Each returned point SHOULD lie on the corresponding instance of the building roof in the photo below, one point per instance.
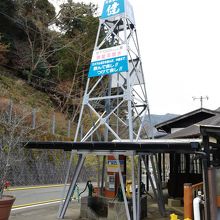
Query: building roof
(194, 130)
(186, 120)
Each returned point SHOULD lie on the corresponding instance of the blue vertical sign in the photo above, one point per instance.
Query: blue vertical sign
(112, 8)
(109, 61)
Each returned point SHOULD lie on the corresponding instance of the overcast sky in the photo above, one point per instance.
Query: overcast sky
(180, 49)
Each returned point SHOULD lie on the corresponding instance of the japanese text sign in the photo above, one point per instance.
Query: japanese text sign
(112, 8)
(114, 167)
(109, 61)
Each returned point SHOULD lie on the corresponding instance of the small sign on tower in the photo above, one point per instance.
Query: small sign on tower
(109, 61)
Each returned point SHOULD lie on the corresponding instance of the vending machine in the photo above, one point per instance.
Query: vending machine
(113, 181)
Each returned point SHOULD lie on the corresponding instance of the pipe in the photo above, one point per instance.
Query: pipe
(196, 207)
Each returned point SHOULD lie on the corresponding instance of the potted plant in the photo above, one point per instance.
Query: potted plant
(13, 129)
(6, 202)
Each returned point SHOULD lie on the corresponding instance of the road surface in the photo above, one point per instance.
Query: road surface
(28, 196)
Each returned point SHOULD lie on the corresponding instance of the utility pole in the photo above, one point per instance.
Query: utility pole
(201, 98)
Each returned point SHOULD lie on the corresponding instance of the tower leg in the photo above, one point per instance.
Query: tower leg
(123, 188)
(72, 186)
(158, 184)
(139, 189)
(133, 189)
(103, 174)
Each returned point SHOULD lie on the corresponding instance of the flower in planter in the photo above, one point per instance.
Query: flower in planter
(7, 184)
(4, 185)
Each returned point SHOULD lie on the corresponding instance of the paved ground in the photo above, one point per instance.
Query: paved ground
(49, 212)
(26, 210)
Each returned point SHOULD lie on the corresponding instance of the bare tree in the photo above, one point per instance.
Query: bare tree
(13, 130)
(38, 52)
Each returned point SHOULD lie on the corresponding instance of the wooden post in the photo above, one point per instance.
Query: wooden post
(188, 201)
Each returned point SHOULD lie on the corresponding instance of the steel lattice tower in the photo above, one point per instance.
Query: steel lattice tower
(116, 101)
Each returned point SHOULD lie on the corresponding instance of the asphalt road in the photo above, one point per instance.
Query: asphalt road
(28, 196)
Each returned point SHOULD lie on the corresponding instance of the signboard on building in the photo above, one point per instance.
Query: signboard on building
(109, 61)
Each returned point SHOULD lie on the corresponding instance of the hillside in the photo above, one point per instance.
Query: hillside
(39, 166)
(27, 99)
(20, 92)
(24, 98)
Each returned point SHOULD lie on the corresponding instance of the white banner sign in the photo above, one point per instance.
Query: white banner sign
(109, 61)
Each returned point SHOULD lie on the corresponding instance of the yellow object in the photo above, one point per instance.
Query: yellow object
(128, 188)
(187, 219)
(174, 217)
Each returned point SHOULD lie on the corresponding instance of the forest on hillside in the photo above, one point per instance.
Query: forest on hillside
(44, 60)
(50, 50)
(47, 56)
